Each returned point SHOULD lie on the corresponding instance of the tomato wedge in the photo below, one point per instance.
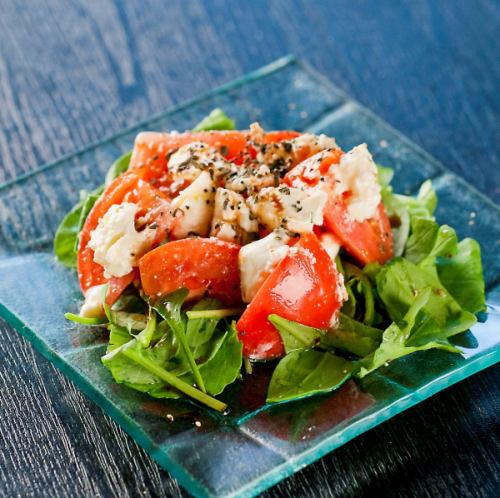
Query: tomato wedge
(152, 149)
(304, 287)
(201, 265)
(368, 241)
(126, 188)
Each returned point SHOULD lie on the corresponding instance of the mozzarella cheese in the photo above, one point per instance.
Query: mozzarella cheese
(357, 174)
(257, 259)
(187, 163)
(232, 220)
(116, 243)
(313, 143)
(250, 180)
(92, 307)
(298, 210)
(330, 244)
(192, 209)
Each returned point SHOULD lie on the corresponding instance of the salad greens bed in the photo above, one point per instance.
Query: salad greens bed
(427, 294)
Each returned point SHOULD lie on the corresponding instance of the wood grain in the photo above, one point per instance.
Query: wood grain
(71, 73)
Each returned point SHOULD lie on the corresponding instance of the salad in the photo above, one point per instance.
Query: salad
(207, 251)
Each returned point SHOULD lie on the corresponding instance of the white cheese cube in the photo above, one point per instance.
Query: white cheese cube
(257, 259)
(232, 219)
(330, 244)
(298, 210)
(357, 174)
(192, 209)
(116, 243)
(187, 163)
(92, 306)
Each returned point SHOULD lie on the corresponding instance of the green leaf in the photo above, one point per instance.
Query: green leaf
(216, 120)
(66, 237)
(200, 331)
(462, 276)
(400, 281)
(83, 320)
(146, 335)
(385, 175)
(303, 373)
(295, 336)
(395, 337)
(359, 290)
(422, 239)
(224, 365)
(170, 309)
(352, 336)
(118, 167)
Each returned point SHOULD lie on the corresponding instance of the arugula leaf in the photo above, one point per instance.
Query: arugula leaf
(146, 335)
(83, 320)
(423, 204)
(422, 239)
(141, 369)
(352, 336)
(303, 373)
(170, 309)
(400, 281)
(295, 336)
(462, 276)
(395, 338)
(349, 335)
(224, 364)
(216, 120)
(67, 236)
(117, 168)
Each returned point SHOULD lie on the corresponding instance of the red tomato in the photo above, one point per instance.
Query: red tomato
(302, 288)
(367, 241)
(152, 149)
(126, 188)
(201, 265)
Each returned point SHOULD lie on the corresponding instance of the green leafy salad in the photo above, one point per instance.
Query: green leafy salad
(207, 251)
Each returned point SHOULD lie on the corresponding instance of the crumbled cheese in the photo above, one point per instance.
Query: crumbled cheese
(256, 132)
(192, 209)
(330, 244)
(250, 179)
(92, 307)
(312, 144)
(187, 163)
(232, 220)
(116, 243)
(357, 174)
(282, 156)
(257, 259)
(298, 210)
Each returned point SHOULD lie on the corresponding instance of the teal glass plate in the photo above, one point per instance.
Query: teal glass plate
(254, 446)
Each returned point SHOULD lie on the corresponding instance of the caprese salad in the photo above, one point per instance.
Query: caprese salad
(208, 250)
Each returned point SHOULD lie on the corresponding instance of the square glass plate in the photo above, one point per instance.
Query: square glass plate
(260, 445)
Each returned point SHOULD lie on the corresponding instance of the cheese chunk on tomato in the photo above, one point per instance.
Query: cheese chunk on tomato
(305, 287)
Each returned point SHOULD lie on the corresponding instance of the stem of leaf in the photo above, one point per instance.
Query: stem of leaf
(222, 313)
(174, 381)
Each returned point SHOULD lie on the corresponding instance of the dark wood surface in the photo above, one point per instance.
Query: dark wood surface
(71, 73)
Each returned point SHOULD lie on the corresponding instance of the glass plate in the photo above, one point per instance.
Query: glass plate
(260, 445)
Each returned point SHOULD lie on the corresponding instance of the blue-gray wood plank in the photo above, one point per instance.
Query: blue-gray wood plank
(71, 72)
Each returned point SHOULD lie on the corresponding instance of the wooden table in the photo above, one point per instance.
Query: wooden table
(73, 72)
